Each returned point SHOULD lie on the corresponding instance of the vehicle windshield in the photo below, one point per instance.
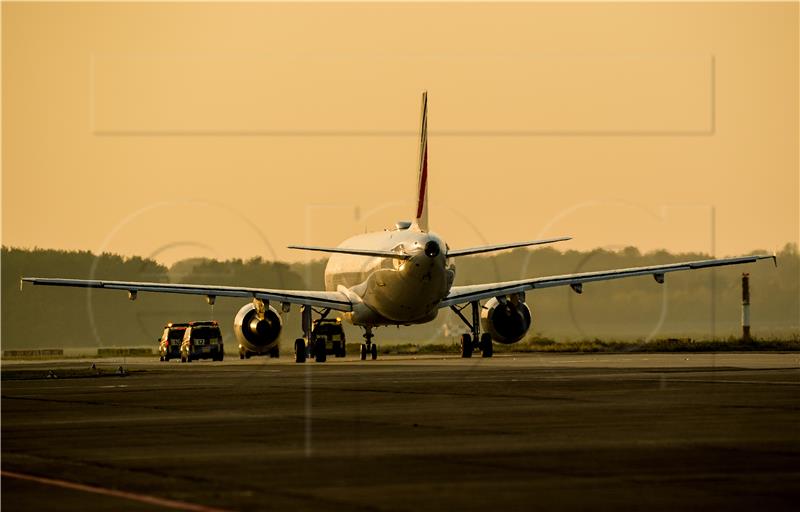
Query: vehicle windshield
(327, 328)
(176, 334)
(205, 332)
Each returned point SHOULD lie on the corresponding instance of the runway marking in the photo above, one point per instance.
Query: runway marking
(143, 498)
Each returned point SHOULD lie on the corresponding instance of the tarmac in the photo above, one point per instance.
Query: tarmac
(514, 432)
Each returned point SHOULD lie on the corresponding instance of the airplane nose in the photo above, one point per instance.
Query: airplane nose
(432, 249)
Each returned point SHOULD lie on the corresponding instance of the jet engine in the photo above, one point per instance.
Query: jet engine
(257, 333)
(506, 318)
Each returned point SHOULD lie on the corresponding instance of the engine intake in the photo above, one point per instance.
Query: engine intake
(256, 334)
(506, 318)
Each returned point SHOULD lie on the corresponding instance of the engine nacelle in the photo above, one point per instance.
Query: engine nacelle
(254, 334)
(506, 318)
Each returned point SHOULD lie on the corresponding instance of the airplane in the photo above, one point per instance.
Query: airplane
(399, 276)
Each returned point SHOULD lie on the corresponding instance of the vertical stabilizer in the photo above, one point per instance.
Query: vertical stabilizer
(421, 218)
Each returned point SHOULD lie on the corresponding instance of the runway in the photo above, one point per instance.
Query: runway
(515, 432)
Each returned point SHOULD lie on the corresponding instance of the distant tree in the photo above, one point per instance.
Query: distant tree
(632, 308)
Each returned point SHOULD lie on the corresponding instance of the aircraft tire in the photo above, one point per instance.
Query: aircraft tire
(299, 350)
(466, 345)
(487, 349)
(320, 354)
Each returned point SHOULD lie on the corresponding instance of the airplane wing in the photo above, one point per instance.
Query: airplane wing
(333, 300)
(462, 294)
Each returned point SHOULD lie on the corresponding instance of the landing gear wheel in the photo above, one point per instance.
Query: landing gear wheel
(320, 354)
(241, 355)
(275, 352)
(162, 359)
(368, 348)
(466, 345)
(248, 355)
(183, 359)
(486, 345)
(299, 350)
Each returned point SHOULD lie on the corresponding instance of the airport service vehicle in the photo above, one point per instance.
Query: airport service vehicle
(399, 276)
(327, 337)
(169, 345)
(202, 340)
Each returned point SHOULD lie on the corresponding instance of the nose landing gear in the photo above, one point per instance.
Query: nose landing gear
(368, 348)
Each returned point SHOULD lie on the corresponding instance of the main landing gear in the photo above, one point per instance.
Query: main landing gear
(321, 337)
(368, 348)
(475, 340)
(313, 342)
(302, 347)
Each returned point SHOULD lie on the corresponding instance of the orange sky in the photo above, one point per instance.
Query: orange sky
(198, 129)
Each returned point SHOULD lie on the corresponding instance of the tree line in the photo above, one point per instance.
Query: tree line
(700, 304)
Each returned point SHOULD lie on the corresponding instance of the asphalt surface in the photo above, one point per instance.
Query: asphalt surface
(563, 432)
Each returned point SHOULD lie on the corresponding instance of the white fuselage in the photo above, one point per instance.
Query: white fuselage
(389, 291)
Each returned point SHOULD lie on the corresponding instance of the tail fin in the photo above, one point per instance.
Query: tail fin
(421, 219)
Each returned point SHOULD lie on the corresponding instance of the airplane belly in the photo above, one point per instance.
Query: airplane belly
(392, 291)
(406, 297)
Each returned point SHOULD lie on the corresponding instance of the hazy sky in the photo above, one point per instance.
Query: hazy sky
(197, 129)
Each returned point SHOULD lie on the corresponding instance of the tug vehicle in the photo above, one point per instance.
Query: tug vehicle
(169, 345)
(202, 340)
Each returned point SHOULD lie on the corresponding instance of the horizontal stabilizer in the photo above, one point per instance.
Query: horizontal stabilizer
(500, 247)
(358, 252)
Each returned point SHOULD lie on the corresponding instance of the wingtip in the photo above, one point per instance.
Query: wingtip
(773, 257)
